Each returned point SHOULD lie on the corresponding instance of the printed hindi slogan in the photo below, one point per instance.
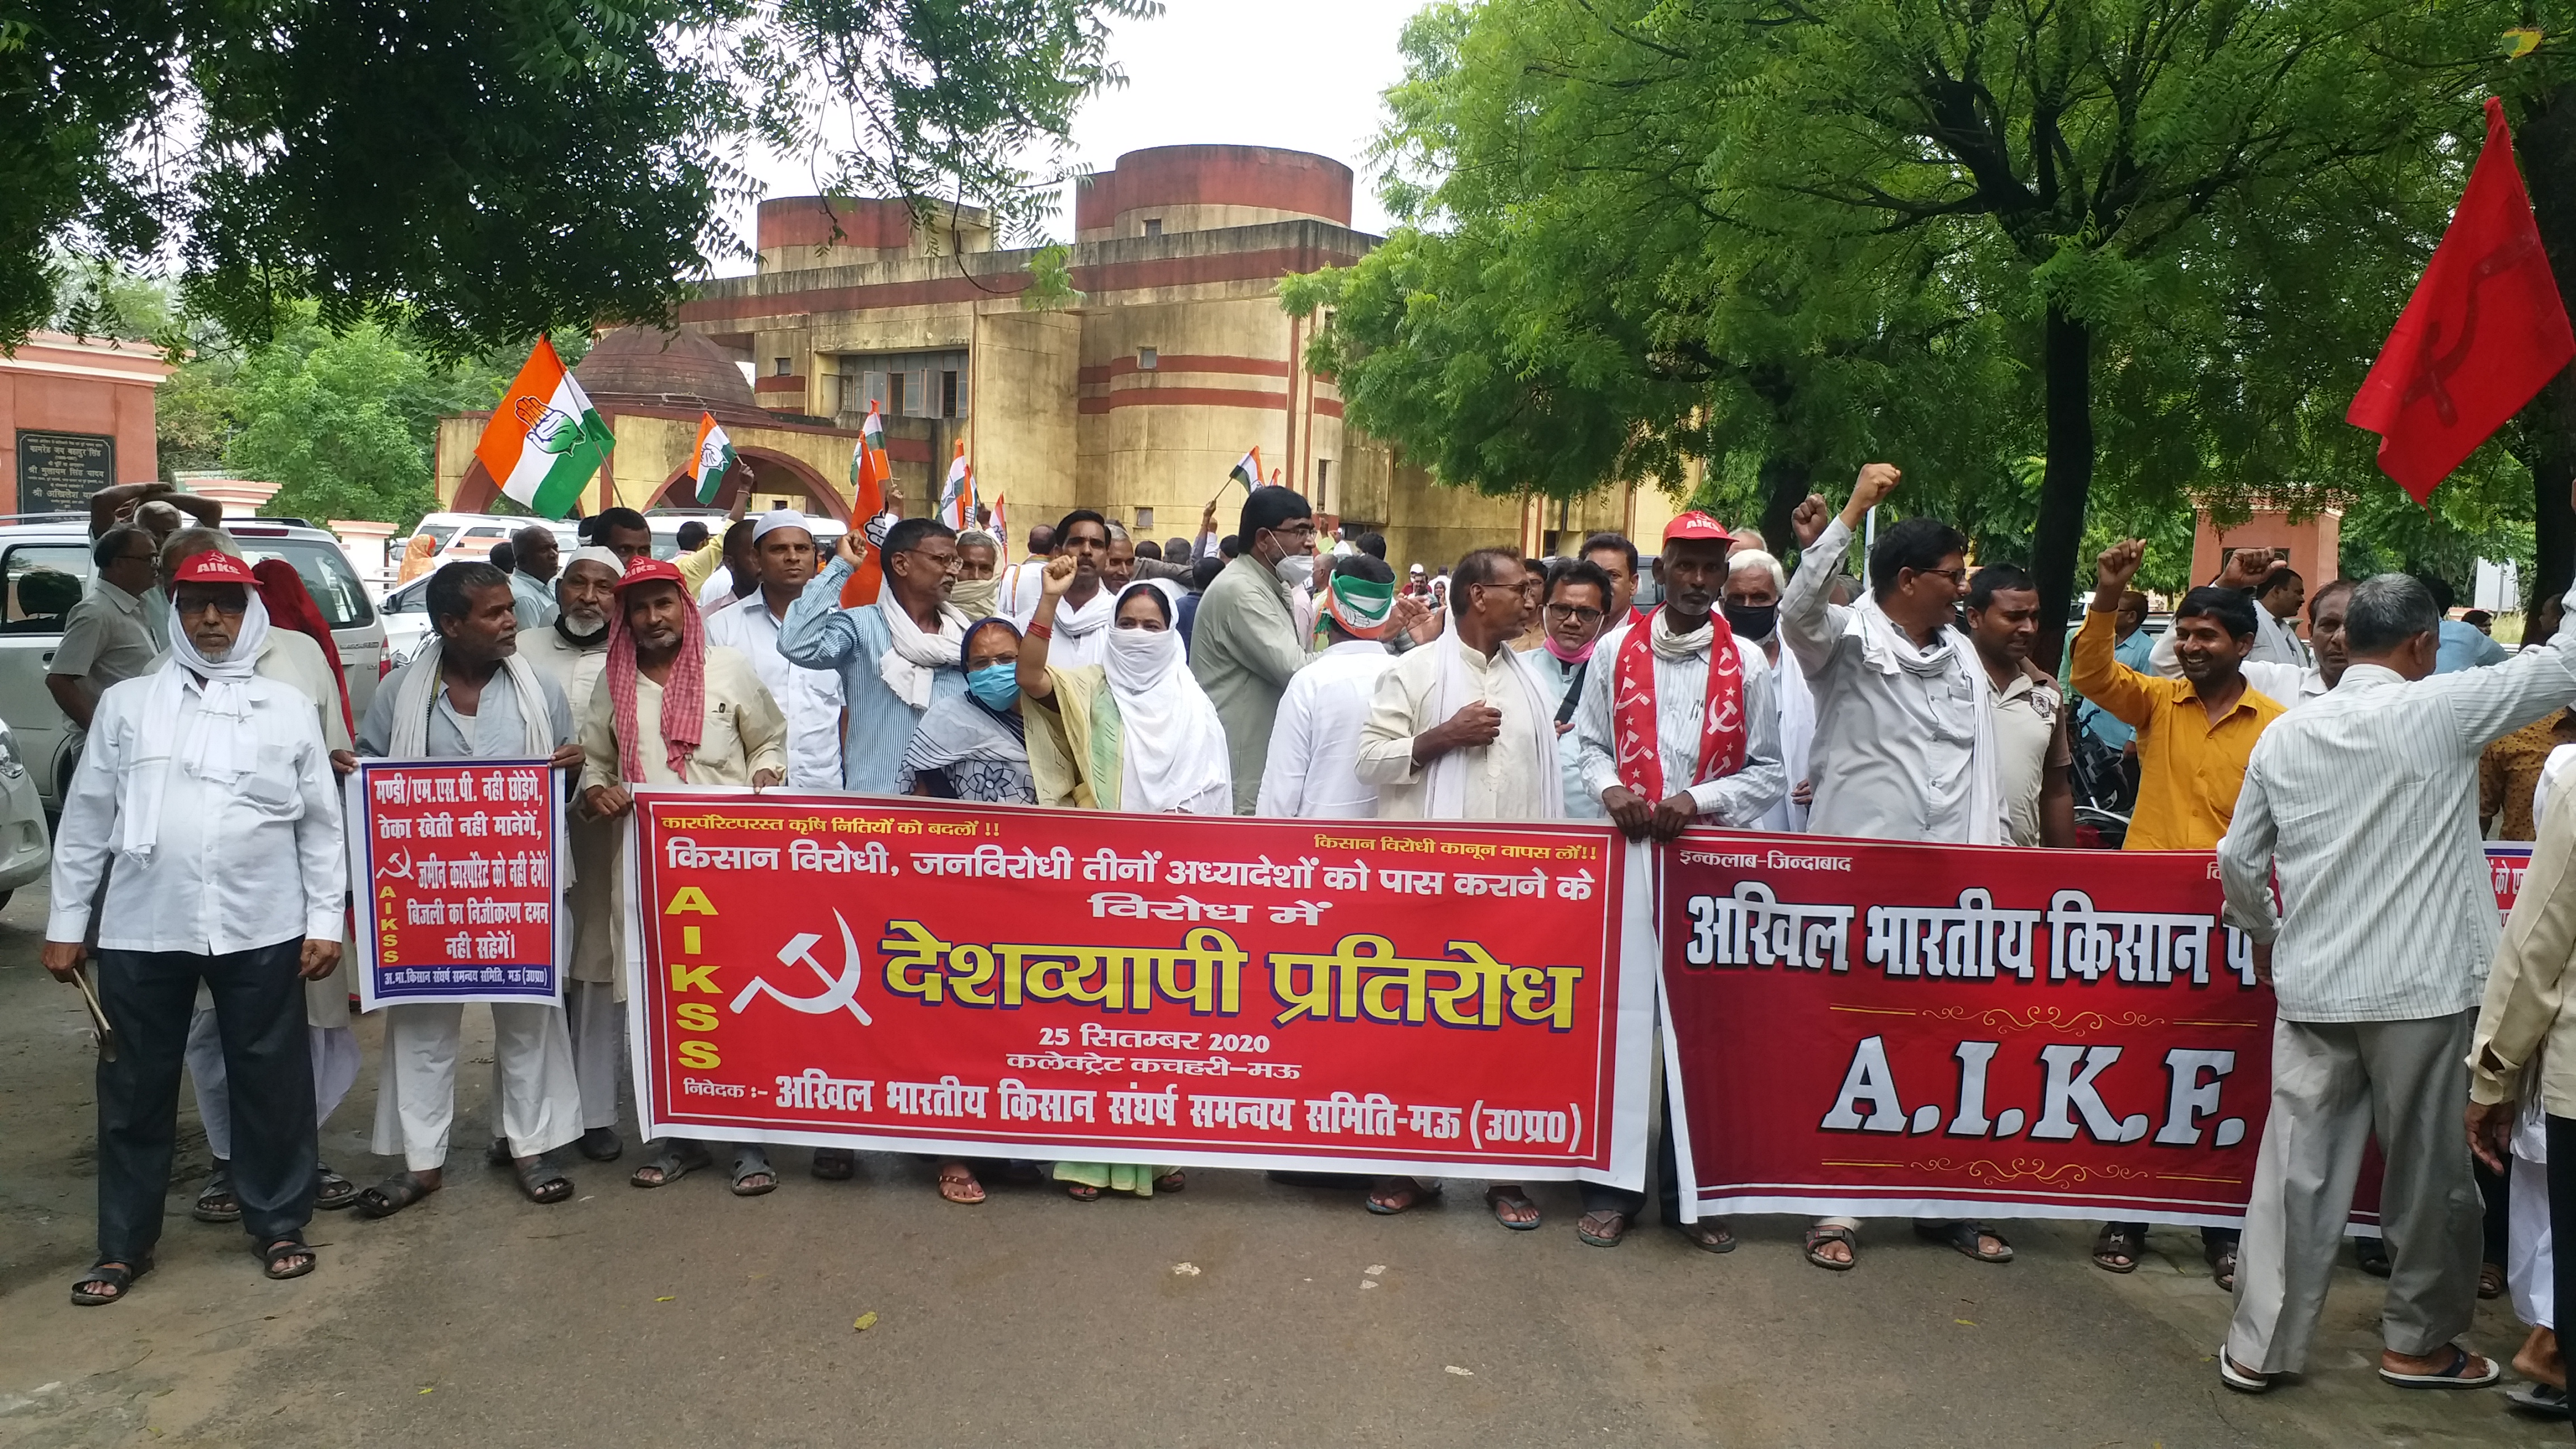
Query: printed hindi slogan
(1892, 1029)
(460, 861)
(929, 976)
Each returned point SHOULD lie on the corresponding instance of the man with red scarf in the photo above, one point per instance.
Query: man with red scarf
(1676, 727)
(670, 709)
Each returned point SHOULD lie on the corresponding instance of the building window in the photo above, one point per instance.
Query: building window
(1144, 519)
(1147, 359)
(1323, 481)
(894, 394)
(784, 366)
(1153, 226)
(948, 394)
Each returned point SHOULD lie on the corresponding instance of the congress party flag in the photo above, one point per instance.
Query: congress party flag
(711, 459)
(957, 496)
(2485, 330)
(868, 472)
(1002, 526)
(545, 440)
(1247, 470)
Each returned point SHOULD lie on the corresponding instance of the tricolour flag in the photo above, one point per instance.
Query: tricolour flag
(545, 440)
(957, 496)
(714, 458)
(868, 473)
(1247, 471)
(1002, 526)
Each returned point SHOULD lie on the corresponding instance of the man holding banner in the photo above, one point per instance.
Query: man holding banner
(2361, 804)
(1676, 731)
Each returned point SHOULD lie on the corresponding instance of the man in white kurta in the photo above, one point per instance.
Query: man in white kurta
(784, 545)
(210, 790)
(637, 729)
(570, 652)
(468, 695)
(1312, 770)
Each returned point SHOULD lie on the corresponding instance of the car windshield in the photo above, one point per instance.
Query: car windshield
(326, 575)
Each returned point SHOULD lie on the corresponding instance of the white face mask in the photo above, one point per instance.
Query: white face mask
(1294, 569)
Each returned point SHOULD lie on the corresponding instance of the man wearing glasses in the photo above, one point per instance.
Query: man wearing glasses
(895, 657)
(105, 639)
(1577, 594)
(1244, 644)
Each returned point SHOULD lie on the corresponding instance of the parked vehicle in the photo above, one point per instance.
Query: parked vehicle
(26, 846)
(52, 553)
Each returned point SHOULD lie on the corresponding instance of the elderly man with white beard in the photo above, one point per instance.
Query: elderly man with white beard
(571, 652)
(212, 789)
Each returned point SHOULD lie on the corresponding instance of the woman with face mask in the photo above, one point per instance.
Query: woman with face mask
(1133, 733)
(973, 746)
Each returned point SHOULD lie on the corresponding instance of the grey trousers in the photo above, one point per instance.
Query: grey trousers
(2333, 1083)
(597, 1020)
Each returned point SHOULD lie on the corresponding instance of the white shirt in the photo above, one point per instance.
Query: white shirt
(810, 698)
(1558, 676)
(239, 865)
(2364, 801)
(1312, 770)
(1737, 801)
(2275, 642)
(1499, 785)
(1797, 734)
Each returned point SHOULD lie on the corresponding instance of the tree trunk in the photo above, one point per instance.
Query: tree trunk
(2546, 142)
(2067, 365)
(1784, 487)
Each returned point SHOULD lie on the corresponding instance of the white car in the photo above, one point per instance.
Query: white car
(44, 569)
(26, 848)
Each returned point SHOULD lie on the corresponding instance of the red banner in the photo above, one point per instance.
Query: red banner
(1888, 1029)
(461, 860)
(939, 977)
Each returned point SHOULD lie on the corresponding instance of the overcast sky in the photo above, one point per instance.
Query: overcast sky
(1302, 75)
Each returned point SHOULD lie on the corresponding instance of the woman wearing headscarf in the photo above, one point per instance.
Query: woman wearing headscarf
(417, 557)
(974, 746)
(1133, 733)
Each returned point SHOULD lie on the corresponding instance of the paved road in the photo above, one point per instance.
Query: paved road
(1242, 1311)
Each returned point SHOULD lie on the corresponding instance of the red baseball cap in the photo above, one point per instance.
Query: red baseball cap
(1697, 525)
(211, 567)
(650, 570)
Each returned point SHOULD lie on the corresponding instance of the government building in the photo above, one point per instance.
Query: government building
(1134, 396)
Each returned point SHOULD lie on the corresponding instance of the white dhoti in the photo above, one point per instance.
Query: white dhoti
(597, 1020)
(533, 1088)
(2531, 1264)
(335, 1071)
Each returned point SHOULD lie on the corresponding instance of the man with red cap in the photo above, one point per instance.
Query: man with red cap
(211, 789)
(1678, 726)
(672, 710)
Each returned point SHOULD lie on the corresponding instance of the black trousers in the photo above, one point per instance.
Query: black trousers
(1601, 1197)
(2562, 1211)
(268, 1066)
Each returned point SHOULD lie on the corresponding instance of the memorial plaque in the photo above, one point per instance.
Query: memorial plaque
(57, 472)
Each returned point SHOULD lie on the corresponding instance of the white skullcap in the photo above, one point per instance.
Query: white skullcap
(778, 518)
(593, 554)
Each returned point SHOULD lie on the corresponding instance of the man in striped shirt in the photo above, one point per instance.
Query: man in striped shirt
(2362, 803)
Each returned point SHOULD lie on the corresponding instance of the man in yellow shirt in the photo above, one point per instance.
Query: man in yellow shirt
(2194, 737)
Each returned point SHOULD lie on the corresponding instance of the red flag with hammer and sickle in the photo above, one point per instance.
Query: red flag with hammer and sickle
(2485, 330)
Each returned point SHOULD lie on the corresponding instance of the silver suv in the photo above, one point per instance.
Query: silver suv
(44, 569)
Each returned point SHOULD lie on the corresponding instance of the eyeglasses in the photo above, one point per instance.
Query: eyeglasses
(189, 608)
(1302, 529)
(948, 562)
(1573, 614)
(1958, 577)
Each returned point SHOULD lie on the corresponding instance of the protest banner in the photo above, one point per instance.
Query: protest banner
(1882, 1029)
(930, 976)
(458, 863)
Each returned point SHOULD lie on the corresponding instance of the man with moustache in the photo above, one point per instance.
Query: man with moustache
(1754, 583)
(785, 558)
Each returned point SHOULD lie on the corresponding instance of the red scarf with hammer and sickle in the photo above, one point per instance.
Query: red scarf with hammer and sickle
(1635, 724)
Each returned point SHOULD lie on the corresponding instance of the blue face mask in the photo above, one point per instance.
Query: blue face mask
(997, 685)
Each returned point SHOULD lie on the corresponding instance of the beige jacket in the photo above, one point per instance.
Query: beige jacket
(2520, 1017)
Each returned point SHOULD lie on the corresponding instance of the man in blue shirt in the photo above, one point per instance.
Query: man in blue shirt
(886, 685)
(2463, 645)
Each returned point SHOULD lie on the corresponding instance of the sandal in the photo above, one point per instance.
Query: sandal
(2490, 1281)
(1603, 1229)
(542, 1181)
(2242, 1380)
(332, 1192)
(1822, 1233)
(1081, 1192)
(1709, 1235)
(1391, 1195)
(2222, 1268)
(2372, 1255)
(2547, 1401)
(675, 1161)
(1512, 1209)
(2455, 1375)
(957, 1184)
(752, 1175)
(834, 1164)
(1968, 1237)
(2116, 1249)
(280, 1258)
(602, 1144)
(114, 1277)
(216, 1202)
(1172, 1181)
(393, 1195)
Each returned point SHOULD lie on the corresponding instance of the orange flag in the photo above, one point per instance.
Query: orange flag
(868, 473)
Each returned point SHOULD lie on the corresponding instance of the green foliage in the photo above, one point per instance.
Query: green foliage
(1050, 285)
(480, 171)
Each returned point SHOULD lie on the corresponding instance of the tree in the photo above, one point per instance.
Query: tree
(485, 170)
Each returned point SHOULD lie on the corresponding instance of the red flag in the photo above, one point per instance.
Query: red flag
(2485, 330)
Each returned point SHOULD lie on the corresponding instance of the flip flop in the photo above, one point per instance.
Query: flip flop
(1964, 1235)
(2456, 1376)
(2240, 1380)
(1709, 1235)
(1599, 1239)
(1823, 1233)
(1423, 1192)
(119, 1276)
(1496, 1199)
(2545, 1400)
